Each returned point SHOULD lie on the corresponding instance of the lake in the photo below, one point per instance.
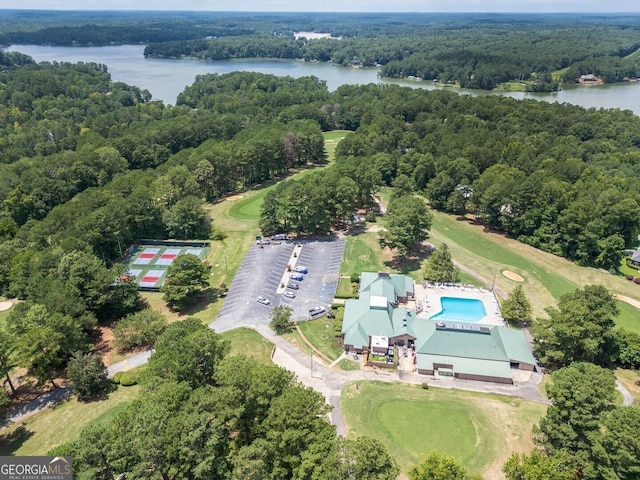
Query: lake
(166, 78)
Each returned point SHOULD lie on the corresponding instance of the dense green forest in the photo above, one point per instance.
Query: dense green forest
(478, 51)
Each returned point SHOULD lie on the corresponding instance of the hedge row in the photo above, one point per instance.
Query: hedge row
(633, 279)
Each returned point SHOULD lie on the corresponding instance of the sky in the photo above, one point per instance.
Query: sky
(534, 6)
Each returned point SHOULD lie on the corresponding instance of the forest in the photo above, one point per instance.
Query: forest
(87, 165)
(476, 51)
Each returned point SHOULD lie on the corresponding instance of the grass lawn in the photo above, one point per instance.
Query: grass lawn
(320, 333)
(345, 364)
(627, 270)
(250, 343)
(345, 288)
(63, 423)
(362, 253)
(479, 430)
(331, 140)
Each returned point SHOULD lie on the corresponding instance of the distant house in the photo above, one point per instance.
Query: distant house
(589, 78)
(380, 319)
(635, 258)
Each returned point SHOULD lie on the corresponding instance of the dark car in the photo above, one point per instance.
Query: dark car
(293, 286)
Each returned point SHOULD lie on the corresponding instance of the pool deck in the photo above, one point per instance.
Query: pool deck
(427, 301)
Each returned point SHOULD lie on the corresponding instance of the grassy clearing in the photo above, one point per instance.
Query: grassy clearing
(362, 253)
(248, 342)
(479, 430)
(511, 87)
(631, 381)
(63, 423)
(320, 333)
(331, 140)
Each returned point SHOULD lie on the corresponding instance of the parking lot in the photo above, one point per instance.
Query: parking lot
(261, 273)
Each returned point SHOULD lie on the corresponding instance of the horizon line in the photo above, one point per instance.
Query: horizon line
(500, 12)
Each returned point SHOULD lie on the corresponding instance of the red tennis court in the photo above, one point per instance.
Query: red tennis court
(147, 255)
(150, 279)
(168, 256)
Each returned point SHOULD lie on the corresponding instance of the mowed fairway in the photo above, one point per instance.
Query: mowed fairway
(63, 423)
(479, 430)
(245, 341)
(546, 276)
(237, 216)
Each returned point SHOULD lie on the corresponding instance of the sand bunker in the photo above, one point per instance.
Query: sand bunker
(512, 276)
(628, 300)
(5, 306)
(235, 197)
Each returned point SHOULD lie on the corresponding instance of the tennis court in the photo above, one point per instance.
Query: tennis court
(149, 263)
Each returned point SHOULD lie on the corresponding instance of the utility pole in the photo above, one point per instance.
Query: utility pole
(226, 269)
(311, 363)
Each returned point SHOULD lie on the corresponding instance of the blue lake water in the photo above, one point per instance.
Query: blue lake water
(460, 310)
(166, 78)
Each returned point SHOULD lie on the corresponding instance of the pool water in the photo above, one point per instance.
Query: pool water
(460, 310)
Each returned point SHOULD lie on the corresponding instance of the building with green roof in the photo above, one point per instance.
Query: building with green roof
(380, 318)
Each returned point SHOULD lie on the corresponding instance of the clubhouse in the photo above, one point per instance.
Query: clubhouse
(382, 317)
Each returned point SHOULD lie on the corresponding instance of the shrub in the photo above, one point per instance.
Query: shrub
(629, 277)
(370, 217)
(127, 380)
(116, 378)
(425, 386)
(637, 280)
(355, 278)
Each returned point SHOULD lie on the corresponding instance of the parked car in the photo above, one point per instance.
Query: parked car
(316, 311)
(301, 269)
(263, 300)
(296, 276)
(289, 294)
(293, 286)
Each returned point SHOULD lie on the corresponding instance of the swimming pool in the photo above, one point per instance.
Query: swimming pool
(460, 310)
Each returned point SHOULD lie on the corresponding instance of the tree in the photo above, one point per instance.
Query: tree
(437, 466)
(187, 219)
(439, 266)
(538, 466)
(281, 319)
(88, 376)
(140, 329)
(516, 308)
(407, 222)
(580, 394)
(187, 351)
(186, 277)
(364, 457)
(580, 329)
(628, 346)
(616, 449)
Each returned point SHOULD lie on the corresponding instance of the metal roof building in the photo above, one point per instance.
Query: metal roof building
(463, 350)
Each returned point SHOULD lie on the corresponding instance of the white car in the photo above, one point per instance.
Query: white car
(264, 301)
(289, 294)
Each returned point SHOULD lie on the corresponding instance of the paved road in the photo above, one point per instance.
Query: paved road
(47, 400)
